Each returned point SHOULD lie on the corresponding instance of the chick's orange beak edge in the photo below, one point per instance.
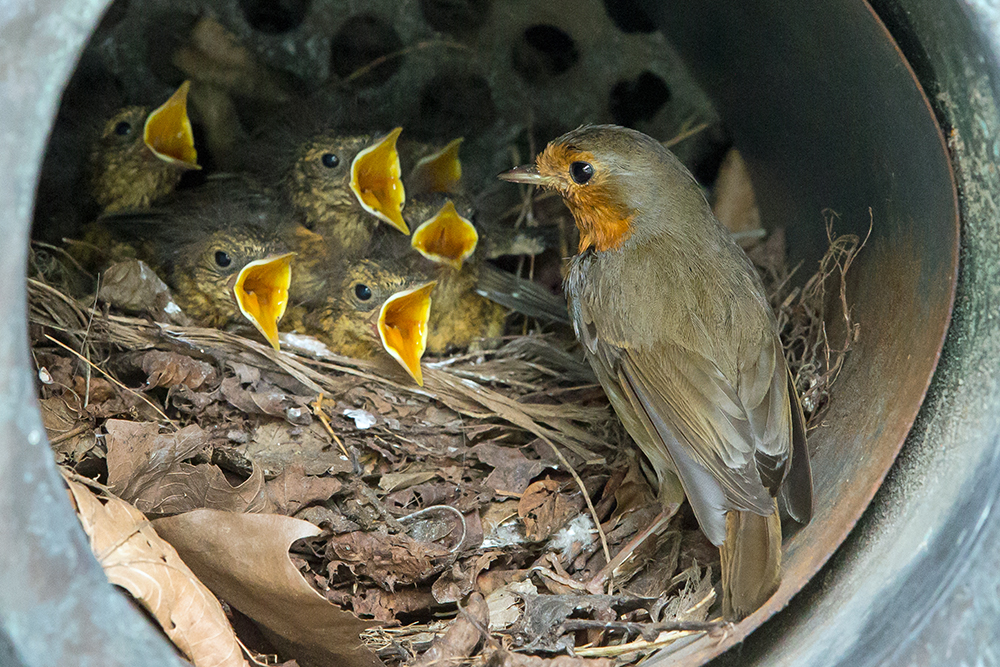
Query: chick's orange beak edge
(168, 132)
(261, 292)
(438, 172)
(402, 326)
(446, 238)
(376, 182)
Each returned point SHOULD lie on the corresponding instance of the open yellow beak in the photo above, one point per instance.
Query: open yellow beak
(439, 172)
(376, 183)
(168, 131)
(447, 238)
(402, 326)
(261, 292)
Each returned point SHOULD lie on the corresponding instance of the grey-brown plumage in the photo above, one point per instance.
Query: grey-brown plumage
(675, 323)
(200, 239)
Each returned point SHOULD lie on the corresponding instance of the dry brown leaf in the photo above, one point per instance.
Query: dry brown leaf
(147, 469)
(503, 658)
(459, 580)
(385, 559)
(395, 481)
(134, 557)
(544, 509)
(138, 453)
(243, 558)
(512, 471)
(384, 606)
(277, 445)
(461, 637)
(293, 489)
(134, 287)
(169, 369)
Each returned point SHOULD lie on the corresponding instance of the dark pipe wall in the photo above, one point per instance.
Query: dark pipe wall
(917, 581)
(56, 606)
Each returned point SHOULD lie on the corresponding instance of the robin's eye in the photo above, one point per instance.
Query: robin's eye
(123, 128)
(222, 259)
(362, 291)
(581, 172)
(330, 160)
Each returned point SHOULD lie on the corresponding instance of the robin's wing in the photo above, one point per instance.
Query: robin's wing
(684, 409)
(524, 296)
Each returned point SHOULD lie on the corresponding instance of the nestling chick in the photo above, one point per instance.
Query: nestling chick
(675, 323)
(342, 185)
(141, 154)
(372, 306)
(222, 247)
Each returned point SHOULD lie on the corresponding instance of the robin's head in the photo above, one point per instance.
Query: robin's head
(380, 305)
(231, 274)
(141, 154)
(223, 248)
(331, 173)
(612, 178)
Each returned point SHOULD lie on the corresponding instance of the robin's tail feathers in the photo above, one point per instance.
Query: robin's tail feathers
(751, 562)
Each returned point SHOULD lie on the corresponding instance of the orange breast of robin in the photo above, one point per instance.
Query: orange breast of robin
(601, 216)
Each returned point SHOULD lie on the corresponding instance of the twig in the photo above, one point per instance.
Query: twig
(62, 437)
(648, 631)
(686, 134)
(365, 69)
(607, 572)
(586, 498)
(112, 379)
(317, 409)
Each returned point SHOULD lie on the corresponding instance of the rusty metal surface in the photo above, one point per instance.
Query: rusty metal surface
(56, 605)
(833, 118)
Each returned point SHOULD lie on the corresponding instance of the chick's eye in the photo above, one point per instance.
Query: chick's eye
(222, 259)
(330, 160)
(362, 291)
(123, 128)
(581, 172)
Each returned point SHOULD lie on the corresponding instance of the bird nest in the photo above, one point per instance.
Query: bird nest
(491, 514)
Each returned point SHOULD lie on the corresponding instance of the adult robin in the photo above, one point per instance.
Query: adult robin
(371, 306)
(223, 247)
(675, 323)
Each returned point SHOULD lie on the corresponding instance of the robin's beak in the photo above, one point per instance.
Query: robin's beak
(261, 292)
(402, 326)
(439, 172)
(527, 174)
(375, 181)
(447, 238)
(168, 131)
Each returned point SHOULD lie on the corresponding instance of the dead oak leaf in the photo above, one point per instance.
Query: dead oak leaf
(385, 559)
(512, 472)
(293, 489)
(148, 469)
(170, 369)
(137, 559)
(243, 558)
(544, 509)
